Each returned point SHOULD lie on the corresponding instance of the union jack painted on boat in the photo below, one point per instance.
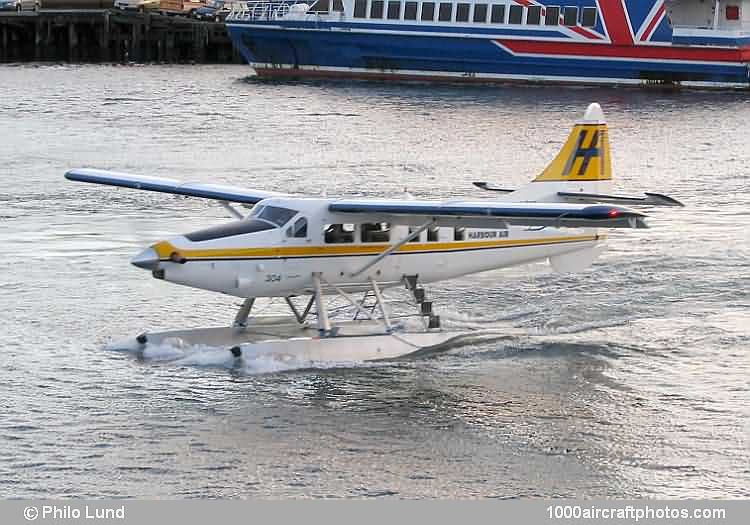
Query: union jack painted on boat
(565, 41)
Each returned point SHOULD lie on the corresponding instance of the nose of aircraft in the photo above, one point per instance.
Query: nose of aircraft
(148, 259)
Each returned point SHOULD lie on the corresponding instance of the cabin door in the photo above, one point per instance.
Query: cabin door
(296, 245)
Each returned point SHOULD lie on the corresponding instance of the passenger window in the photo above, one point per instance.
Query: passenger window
(339, 233)
(552, 16)
(433, 234)
(428, 11)
(462, 12)
(446, 12)
(480, 13)
(534, 15)
(570, 16)
(376, 232)
(412, 229)
(394, 10)
(360, 8)
(588, 18)
(376, 9)
(515, 16)
(410, 11)
(498, 14)
(459, 234)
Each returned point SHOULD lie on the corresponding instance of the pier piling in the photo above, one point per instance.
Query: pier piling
(105, 35)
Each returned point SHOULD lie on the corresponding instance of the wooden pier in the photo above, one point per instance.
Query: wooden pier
(112, 35)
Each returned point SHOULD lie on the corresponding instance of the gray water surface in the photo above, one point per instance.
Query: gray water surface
(630, 379)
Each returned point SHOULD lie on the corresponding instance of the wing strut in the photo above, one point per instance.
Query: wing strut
(399, 244)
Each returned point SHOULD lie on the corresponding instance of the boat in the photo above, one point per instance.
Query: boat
(700, 43)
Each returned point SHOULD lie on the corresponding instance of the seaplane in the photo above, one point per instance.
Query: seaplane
(309, 250)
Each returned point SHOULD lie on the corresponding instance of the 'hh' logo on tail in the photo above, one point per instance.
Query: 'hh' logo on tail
(583, 157)
(587, 148)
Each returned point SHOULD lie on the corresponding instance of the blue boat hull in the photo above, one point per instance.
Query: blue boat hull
(332, 52)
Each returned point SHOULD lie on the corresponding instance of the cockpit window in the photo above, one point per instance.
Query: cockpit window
(230, 229)
(275, 214)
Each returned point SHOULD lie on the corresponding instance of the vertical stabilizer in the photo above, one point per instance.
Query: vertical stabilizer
(585, 155)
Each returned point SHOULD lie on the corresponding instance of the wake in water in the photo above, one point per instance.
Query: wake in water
(463, 320)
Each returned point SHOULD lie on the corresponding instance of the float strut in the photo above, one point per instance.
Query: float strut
(300, 316)
(381, 304)
(240, 320)
(324, 325)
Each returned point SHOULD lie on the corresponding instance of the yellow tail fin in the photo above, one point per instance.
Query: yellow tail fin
(585, 155)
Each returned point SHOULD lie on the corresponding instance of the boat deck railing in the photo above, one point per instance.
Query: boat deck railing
(267, 10)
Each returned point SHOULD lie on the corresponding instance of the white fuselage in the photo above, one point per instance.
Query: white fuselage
(280, 260)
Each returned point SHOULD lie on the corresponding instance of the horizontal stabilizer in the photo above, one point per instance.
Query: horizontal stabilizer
(489, 187)
(176, 187)
(492, 214)
(651, 199)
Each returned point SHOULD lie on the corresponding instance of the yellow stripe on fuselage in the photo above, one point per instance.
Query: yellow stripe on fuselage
(166, 249)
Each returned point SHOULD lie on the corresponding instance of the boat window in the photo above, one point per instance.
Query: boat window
(480, 13)
(428, 11)
(570, 16)
(299, 229)
(462, 12)
(515, 16)
(446, 12)
(229, 230)
(338, 6)
(321, 6)
(394, 10)
(588, 18)
(552, 16)
(339, 233)
(376, 232)
(497, 14)
(376, 9)
(410, 11)
(276, 214)
(534, 15)
(459, 234)
(433, 234)
(360, 8)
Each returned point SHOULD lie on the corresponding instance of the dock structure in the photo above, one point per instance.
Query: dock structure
(112, 35)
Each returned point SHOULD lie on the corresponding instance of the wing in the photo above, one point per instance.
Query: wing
(140, 182)
(492, 214)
